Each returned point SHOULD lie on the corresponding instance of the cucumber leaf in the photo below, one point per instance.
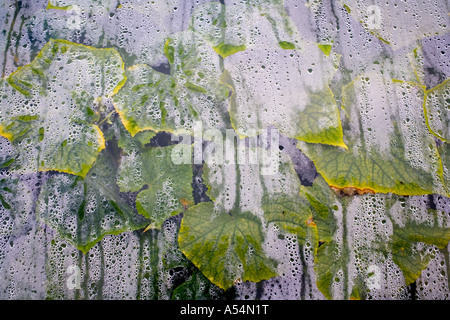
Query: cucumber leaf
(47, 106)
(227, 239)
(163, 185)
(225, 246)
(151, 100)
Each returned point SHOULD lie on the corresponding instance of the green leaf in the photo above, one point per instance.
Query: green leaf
(167, 185)
(326, 48)
(51, 6)
(307, 112)
(319, 121)
(83, 211)
(44, 106)
(194, 87)
(8, 153)
(326, 264)
(8, 192)
(210, 235)
(225, 50)
(322, 203)
(225, 246)
(151, 100)
(383, 20)
(389, 146)
(7, 163)
(330, 258)
(444, 152)
(286, 45)
(169, 51)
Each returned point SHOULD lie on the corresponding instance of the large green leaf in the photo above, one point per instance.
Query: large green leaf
(228, 239)
(191, 92)
(225, 246)
(83, 211)
(164, 185)
(390, 147)
(47, 106)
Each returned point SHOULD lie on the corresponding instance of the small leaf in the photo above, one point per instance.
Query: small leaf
(286, 45)
(55, 7)
(225, 50)
(326, 48)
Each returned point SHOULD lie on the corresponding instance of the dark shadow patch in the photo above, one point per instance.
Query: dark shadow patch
(303, 166)
(163, 68)
(198, 188)
(162, 139)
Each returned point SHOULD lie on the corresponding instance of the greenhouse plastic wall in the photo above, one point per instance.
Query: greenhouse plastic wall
(239, 150)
